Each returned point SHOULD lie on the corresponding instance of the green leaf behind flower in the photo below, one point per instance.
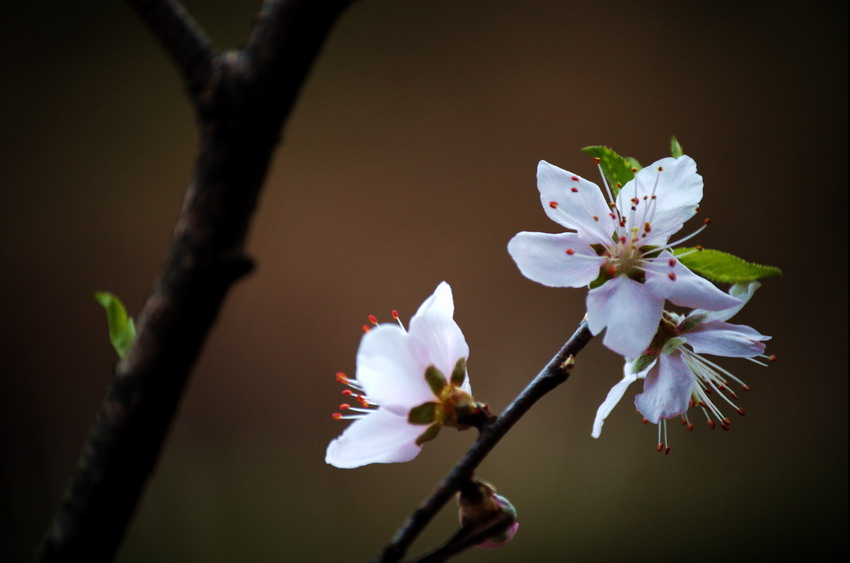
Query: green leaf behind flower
(675, 148)
(723, 267)
(617, 169)
(122, 329)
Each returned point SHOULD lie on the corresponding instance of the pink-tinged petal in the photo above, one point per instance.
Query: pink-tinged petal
(578, 203)
(615, 394)
(742, 291)
(677, 188)
(667, 389)
(629, 310)
(388, 372)
(562, 260)
(379, 437)
(435, 338)
(670, 279)
(719, 338)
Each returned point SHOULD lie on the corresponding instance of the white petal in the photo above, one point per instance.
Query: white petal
(629, 309)
(435, 338)
(684, 288)
(719, 338)
(543, 258)
(380, 437)
(615, 394)
(581, 204)
(667, 389)
(388, 371)
(742, 291)
(677, 189)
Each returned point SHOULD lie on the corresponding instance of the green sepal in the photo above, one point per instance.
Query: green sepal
(690, 322)
(617, 169)
(122, 329)
(723, 267)
(429, 434)
(436, 380)
(671, 345)
(426, 413)
(643, 362)
(459, 373)
(675, 147)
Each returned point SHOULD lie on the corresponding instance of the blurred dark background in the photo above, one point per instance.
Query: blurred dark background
(410, 159)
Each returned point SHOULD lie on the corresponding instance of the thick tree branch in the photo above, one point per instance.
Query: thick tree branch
(555, 373)
(241, 107)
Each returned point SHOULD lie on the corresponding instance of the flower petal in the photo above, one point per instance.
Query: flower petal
(742, 291)
(719, 338)
(678, 190)
(388, 372)
(435, 338)
(683, 287)
(543, 258)
(580, 203)
(379, 437)
(667, 389)
(629, 309)
(615, 394)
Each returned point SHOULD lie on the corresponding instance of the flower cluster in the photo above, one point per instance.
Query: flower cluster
(621, 249)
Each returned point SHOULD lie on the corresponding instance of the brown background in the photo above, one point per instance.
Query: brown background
(410, 159)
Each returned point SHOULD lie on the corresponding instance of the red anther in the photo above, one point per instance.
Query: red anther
(654, 196)
(596, 218)
(623, 240)
(661, 169)
(366, 328)
(395, 315)
(667, 450)
(574, 178)
(634, 170)
(619, 184)
(745, 387)
(635, 200)
(612, 269)
(612, 216)
(644, 422)
(690, 427)
(692, 403)
(707, 221)
(347, 392)
(702, 404)
(671, 262)
(771, 358)
(725, 426)
(596, 160)
(708, 391)
(711, 424)
(553, 204)
(659, 447)
(741, 411)
(697, 209)
(647, 227)
(684, 421)
(342, 378)
(336, 416)
(570, 251)
(699, 248)
(612, 205)
(364, 402)
(732, 393)
(574, 190)
(344, 406)
(726, 421)
(672, 276)
(373, 319)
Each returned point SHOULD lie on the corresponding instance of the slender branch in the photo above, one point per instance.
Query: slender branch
(183, 39)
(555, 373)
(241, 108)
(465, 539)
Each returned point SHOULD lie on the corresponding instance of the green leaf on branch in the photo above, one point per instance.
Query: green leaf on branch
(122, 329)
(675, 148)
(723, 267)
(617, 169)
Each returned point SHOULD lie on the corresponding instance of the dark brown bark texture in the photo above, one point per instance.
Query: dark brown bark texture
(242, 99)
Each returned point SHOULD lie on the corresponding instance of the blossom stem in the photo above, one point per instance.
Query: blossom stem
(556, 372)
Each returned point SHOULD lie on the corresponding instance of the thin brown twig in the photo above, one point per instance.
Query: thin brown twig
(241, 107)
(555, 373)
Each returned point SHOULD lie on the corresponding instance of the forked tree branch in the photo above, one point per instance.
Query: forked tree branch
(242, 99)
(556, 372)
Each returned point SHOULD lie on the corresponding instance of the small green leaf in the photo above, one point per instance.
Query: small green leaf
(459, 373)
(617, 169)
(426, 413)
(723, 267)
(675, 148)
(122, 329)
(429, 434)
(436, 380)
